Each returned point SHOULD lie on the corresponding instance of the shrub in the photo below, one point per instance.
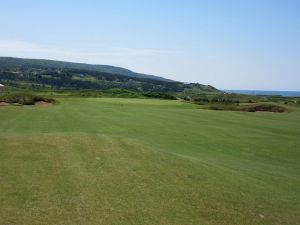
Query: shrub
(255, 108)
(159, 95)
(265, 108)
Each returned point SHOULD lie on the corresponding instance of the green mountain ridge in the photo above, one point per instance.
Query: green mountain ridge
(8, 62)
(35, 73)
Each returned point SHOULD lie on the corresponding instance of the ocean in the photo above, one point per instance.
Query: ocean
(256, 92)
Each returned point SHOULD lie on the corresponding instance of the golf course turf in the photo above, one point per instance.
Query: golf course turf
(143, 161)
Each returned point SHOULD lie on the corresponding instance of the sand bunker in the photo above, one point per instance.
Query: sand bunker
(42, 103)
(4, 104)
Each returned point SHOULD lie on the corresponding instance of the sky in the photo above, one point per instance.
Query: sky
(230, 44)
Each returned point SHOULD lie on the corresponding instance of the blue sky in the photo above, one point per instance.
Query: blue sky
(229, 44)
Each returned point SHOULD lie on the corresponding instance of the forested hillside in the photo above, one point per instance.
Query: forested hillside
(11, 62)
(55, 74)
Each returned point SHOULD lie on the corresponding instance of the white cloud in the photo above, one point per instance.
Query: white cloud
(17, 48)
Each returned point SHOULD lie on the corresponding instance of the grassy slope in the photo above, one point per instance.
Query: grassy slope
(120, 161)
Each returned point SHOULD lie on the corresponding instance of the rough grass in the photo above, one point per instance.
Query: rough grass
(135, 161)
(250, 108)
(23, 98)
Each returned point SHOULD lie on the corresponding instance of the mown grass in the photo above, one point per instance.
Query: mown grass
(137, 161)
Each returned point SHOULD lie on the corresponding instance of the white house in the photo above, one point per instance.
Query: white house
(1, 85)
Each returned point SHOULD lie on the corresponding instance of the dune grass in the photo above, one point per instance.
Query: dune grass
(137, 161)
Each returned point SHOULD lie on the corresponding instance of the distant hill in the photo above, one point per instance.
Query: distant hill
(39, 73)
(10, 62)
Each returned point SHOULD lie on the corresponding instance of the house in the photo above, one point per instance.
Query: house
(1, 85)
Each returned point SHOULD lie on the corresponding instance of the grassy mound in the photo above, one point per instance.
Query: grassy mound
(23, 98)
(249, 108)
(265, 108)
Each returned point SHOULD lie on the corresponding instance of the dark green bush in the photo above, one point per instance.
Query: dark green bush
(265, 108)
(249, 108)
(159, 95)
